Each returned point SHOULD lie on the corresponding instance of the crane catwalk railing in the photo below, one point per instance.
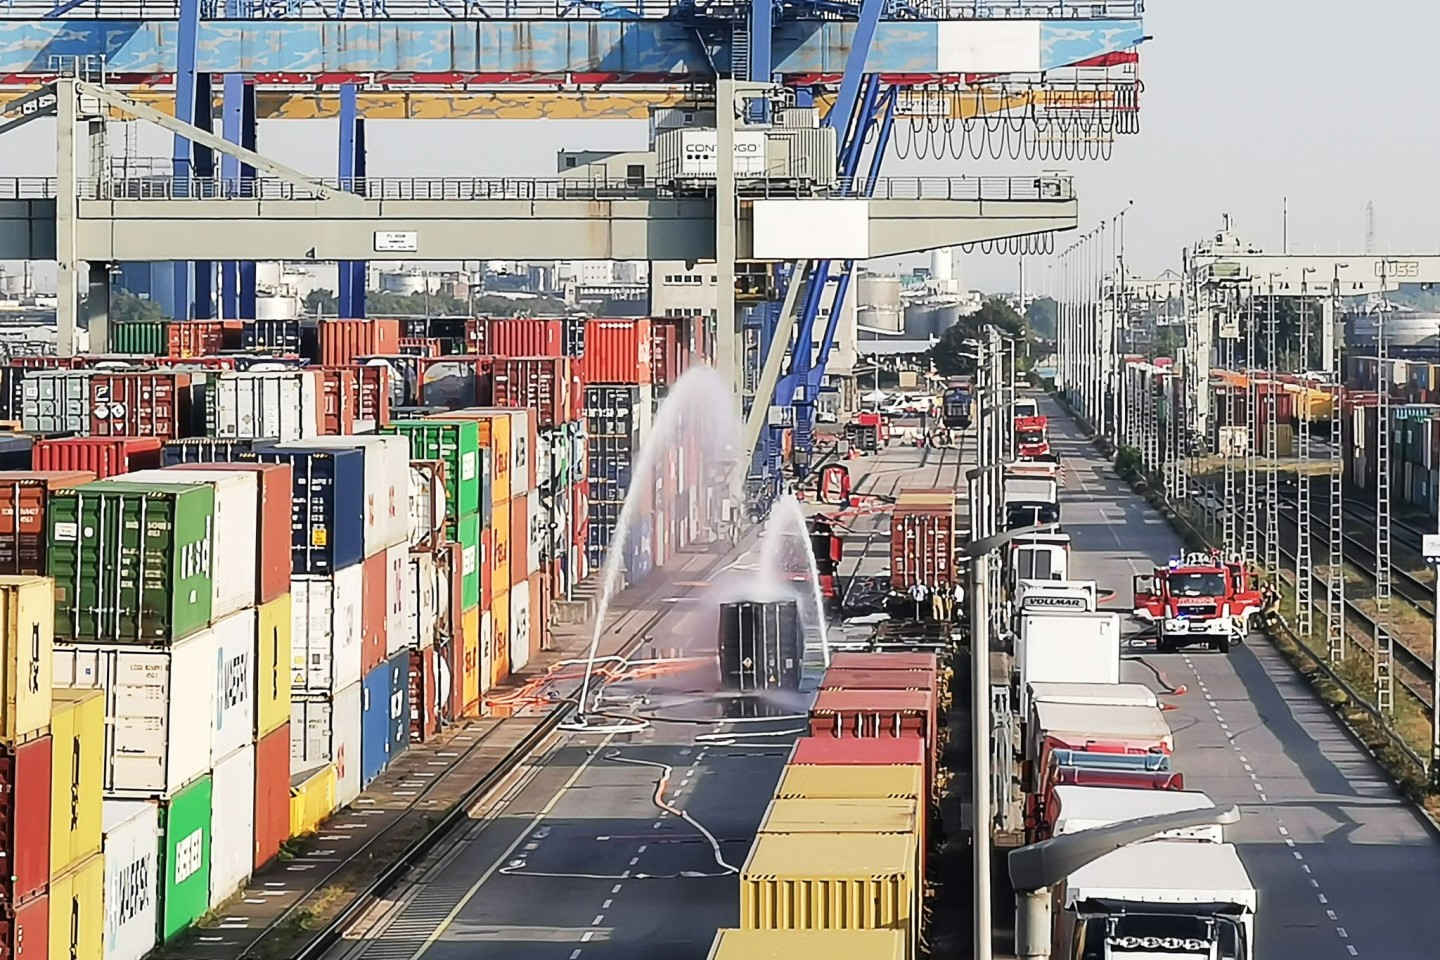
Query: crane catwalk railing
(997, 189)
(551, 10)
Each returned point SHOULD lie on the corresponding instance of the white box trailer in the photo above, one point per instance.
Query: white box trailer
(1066, 648)
(1092, 694)
(1185, 899)
(1079, 808)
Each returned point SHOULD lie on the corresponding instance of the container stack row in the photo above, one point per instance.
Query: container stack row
(851, 821)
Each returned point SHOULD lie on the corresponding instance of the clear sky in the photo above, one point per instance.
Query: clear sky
(1246, 102)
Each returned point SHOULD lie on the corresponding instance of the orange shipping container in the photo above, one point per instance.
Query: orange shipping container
(374, 578)
(341, 341)
(472, 680)
(519, 541)
(151, 404)
(617, 351)
(337, 401)
(499, 639)
(195, 338)
(502, 540)
(24, 498)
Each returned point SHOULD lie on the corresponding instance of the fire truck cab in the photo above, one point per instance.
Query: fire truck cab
(1198, 599)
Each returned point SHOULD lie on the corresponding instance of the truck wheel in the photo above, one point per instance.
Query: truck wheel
(1223, 645)
(1164, 646)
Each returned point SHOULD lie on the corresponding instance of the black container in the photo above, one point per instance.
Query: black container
(761, 646)
(573, 333)
(271, 336)
(11, 379)
(208, 450)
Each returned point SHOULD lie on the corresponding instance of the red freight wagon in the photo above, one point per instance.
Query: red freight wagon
(272, 794)
(150, 404)
(884, 661)
(617, 351)
(24, 505)
(195, 338)
(273, 544)
(341, 341)
(857, 751)
(25, 800)
(104, 458)
(541, 384)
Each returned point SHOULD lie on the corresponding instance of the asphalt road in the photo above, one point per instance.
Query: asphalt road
(1345, 866)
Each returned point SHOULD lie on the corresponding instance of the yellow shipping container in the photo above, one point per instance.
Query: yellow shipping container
(77, 726)
(474, 665)
(808, 945)
(499, 638)
(272, 662)
(495, 434)
(27, 632)
(841, 815)
(312, 799)
(836, 881)
(860, 782)
(77, 911)
(501, 544)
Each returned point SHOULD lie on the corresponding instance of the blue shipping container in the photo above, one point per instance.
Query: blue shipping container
(374, 723)
(208, 450)
(399, 667)
(327, 511)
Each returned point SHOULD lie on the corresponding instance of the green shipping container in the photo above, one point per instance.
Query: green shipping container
(131, 561)
(150, 337)
(185, 821)
(457, 444)
(467, 534)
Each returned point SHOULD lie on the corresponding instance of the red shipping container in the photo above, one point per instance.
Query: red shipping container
(837, 678)
(341, 341)
(272, 794)
(367, 389)
(43, 363)
(26, 934)
(25, 812)
(858, 752)
(541, 384)
(525, 337)
(101, 457)
(617, 351)
(195, 338)
(519, 508)
(24, 502)
(274, 541)
(668, 355)
(872, 713)
(424, 696)
(155, 404)
(421, 346)
(373, 577)
(884, 661)
(338, 401)
(923, 529)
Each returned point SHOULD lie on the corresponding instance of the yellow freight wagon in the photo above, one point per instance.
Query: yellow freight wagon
(27, 632)
(831, 882)
(817, 781)
(272, 666)
(77, 728)
(77, 911)
(809, 945)
(312, 799)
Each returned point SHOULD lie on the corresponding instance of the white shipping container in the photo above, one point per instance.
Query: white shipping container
(237, 506)
(233, 710)
(264, 404)
(327, 730)
(519, 639)
(397, 596)
(420, 612)
(521, 466)
(155, 742)
(387, 486)
(538, 536)
(132, 877)
(325, 634)
(487, 644)
(232, 824)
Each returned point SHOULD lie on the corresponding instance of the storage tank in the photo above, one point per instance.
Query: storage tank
(1403, 331)
(879, 303)
(405, 283)
(276, 308)
(925, 320)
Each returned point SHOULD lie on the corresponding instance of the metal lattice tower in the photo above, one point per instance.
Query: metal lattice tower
(1272, 446)
(1336, 642)
(1228, 507)
(1152, 421)
(1384, 640)
(1252, 486)
(1304, 561)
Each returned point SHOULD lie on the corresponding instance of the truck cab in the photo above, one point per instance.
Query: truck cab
(1030, 499)
(1043, 556)
(1177, 899)
(1197, 599)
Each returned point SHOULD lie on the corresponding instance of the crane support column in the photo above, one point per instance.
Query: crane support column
(238, 124)
(193, 105)
(351, 295)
